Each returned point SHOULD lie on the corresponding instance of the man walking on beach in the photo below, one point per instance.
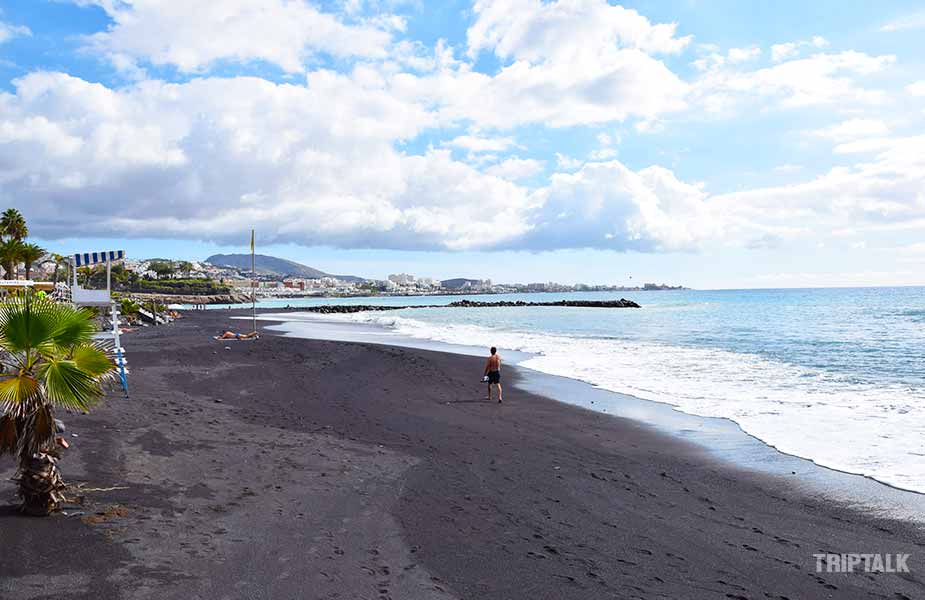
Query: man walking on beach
(493, 372)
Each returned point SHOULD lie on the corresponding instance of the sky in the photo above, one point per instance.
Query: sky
(713, 144)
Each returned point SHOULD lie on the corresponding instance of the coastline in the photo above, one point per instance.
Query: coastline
(721, 437)
(290, 467)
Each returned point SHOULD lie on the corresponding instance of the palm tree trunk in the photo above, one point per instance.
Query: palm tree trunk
(40, 485)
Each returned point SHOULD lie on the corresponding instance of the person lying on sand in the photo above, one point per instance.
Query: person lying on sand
(230, 335)
(493, 372)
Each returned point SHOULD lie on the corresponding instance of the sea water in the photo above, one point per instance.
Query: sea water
(832, 375)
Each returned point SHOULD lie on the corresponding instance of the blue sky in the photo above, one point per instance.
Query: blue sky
(711, 144)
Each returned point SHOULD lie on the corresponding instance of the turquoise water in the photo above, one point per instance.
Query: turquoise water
(834, 375)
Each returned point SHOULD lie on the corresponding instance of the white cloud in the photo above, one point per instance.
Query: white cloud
(818, 79)
(606, 205)
(917, 88)
(788, 50)
(885, 191)
(322, 160)
(819, 42)
(603, 154)
(207, 160)
(8, 31)
(564, 30)
(516, 168)
(475, 143)
(563, 63)
(784, 51)
(905, 23)
(192, 36)
(853, 129)
(741, 55)
(567, 163)
(631, 83)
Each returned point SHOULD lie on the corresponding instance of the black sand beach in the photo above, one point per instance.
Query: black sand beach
(288, 468)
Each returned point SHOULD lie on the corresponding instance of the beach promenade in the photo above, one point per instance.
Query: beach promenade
(288, 468)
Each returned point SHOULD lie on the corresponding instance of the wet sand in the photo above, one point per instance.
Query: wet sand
(290, 468)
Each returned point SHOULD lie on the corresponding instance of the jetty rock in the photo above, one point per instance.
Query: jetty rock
(347, 308)
(621, 303)
(355, 308)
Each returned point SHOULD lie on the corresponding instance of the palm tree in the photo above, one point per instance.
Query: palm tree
(49, 362)
(59, 262)
(13, 224)
(31, 253)
(11, 252)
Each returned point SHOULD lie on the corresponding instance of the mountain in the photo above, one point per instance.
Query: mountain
(271, 265)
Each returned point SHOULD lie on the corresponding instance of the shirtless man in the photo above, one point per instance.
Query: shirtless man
(230, 335)
(493, 372)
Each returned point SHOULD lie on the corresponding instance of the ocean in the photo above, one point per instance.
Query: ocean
(831, 375)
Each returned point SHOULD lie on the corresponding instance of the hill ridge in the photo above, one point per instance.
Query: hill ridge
(273, 265)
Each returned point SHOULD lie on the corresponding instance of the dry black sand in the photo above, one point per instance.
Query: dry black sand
(289, 468)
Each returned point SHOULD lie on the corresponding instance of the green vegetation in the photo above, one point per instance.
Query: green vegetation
(126, 281)
(186, 287)
(49, 362)
(13, 225)
(368, 288)
(30, 254)
(163, 268)
(129, 308)
(13, 250)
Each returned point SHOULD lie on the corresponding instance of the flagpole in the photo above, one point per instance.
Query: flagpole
(253, 282)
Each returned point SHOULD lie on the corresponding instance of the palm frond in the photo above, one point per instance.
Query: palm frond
(25, 324)
(73, 326)
(67, 386)
(17, 389)
(30, 323)
(93, 360)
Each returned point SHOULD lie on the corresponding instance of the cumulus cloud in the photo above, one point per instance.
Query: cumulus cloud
(884, 191)
(788, 50)
(8, 31)
(327, 159)
(535, 31)
(515, 168)
(475, 143)
(917, 88)
(192, 36)
(905, 23)
(823, 78)
(740, 55)
(208, 159)
(563, 63)
(602, 154)
(853, 129)
(567, 163)
(607, 205)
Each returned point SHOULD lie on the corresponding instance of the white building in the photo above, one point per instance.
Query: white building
(402, 279)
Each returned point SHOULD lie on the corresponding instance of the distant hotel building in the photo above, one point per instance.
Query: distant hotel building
(402, 279)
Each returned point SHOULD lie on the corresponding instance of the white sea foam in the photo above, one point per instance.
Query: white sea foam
(836, 422)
